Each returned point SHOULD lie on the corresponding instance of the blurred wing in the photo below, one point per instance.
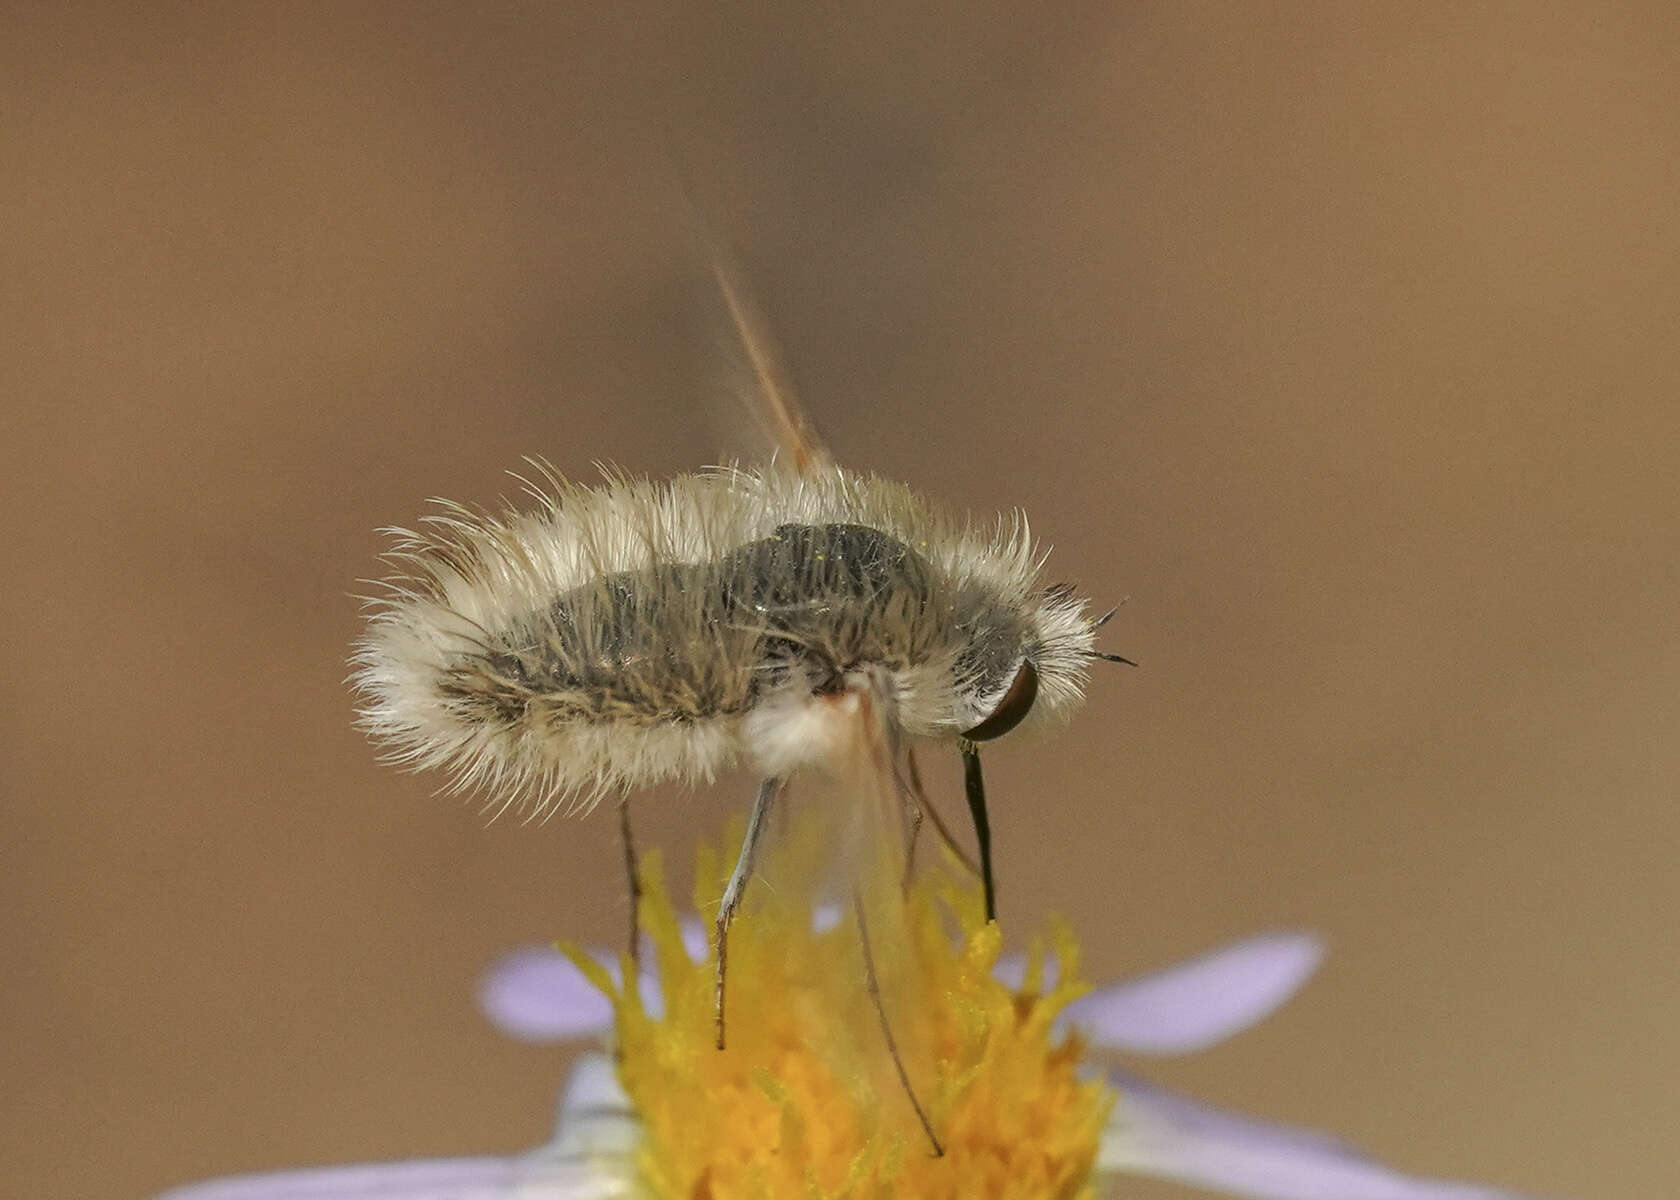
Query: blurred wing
(773, 400)
(876, 834)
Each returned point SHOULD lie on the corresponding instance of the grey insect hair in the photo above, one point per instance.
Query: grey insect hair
(615, 636)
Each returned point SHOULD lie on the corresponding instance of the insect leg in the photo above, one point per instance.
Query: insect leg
(939, 826)
(633, 871)
(911, 834)
(756, 821)
(975, 784)
(886, 1027)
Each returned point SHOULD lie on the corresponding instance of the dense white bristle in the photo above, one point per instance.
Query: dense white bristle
(595, 643)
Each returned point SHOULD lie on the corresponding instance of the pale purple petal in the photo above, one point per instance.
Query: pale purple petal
(1195, 1004)
(1154, 1132)
(592, 1086)
(589, 1159)
(437, 1179)
(694, 939)
(596, 1117)
(539, 995)
(524, 1178)
(1011, 971)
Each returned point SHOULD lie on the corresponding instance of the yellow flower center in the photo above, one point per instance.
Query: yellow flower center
(807, 1102)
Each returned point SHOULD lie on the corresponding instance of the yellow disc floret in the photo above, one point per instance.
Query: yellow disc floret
(807, 1101)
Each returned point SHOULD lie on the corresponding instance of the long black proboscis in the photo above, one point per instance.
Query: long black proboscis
(975, 784)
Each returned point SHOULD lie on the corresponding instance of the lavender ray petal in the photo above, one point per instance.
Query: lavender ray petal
(1154, 1132)
(694, 939)
(1195, 1004)
(596, 1118)
(588, 1159)
(434, 1179)
(538, 995)
(1011, 971)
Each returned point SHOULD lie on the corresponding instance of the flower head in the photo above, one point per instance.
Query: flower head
(806, 1101)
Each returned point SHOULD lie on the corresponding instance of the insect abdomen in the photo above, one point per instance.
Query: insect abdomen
(688, 641)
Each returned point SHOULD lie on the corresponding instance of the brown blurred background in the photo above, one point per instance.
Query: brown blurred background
(1340, 339)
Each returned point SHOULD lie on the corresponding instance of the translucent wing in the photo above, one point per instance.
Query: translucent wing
(800, 446)
(773, 400)
(863, 807)
(883, 821)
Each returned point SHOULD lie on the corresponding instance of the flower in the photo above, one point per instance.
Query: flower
(802, 1102)
(588, 1158)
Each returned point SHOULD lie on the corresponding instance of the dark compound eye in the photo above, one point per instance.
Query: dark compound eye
(1017, 702)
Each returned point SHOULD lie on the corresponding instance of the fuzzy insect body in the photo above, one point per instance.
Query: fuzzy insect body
(635, 632)
(802, 616)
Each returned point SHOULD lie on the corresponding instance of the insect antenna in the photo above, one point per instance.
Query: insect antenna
(1098, 624)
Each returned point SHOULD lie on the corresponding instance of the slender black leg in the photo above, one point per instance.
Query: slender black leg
(932, 814)
(634, 872)
(975, 784)
(874, 984)
(756, 822)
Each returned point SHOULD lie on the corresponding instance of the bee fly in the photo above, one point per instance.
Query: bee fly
(634, 632)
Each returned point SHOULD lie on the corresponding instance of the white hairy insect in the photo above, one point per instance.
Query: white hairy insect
(622, 635)
(801, 616)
